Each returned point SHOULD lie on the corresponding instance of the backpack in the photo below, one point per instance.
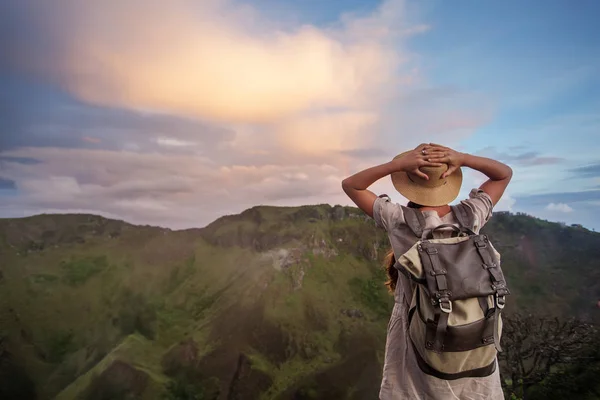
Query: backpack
(459, 292)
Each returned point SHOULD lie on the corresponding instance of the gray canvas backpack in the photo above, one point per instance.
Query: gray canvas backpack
(458, 294)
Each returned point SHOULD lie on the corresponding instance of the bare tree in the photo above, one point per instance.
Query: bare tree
(534, 345)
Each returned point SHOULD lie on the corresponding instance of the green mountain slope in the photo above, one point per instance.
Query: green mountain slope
(273, 303)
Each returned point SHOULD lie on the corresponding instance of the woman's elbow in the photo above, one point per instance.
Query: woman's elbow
(345, 185)
(349, 189)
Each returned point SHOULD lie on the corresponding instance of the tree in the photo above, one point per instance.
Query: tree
(535, 347)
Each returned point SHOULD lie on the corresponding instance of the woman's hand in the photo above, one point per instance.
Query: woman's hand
(442, 154)
(499, 174)
(422, 156)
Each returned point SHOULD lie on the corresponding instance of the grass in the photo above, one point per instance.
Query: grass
(328, 290)
(134, 349)
(78, 271)
(44, 278)
(372, 294)
(59, 345)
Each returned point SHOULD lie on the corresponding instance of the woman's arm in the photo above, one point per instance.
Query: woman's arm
(356, 185)
(499, 174)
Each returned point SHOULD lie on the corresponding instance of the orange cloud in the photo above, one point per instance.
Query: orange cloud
(327, 132)
(305, 107)
(91, 139)
(211, 60)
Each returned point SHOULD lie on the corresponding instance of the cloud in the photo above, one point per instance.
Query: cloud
(164, 189)
(588, 171)
(51, 121)
(519, 156)
(18, 160)
(559, 207)
(90, 139)
(367, 152)
(560, 197)
(224, 63)
(571, 208)
(171, 142)
(211, 59)
(175, 113)
(506, 203)
(325, 132)
(7, 184)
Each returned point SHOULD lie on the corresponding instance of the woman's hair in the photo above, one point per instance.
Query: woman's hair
(410, 204)
(392, 272)
(390, 260)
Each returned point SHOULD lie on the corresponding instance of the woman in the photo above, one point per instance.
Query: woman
(429, 177)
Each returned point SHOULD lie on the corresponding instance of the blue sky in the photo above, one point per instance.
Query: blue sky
(233, 104)
(540, 62)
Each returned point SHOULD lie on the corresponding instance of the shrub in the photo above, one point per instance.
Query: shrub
(77, 272)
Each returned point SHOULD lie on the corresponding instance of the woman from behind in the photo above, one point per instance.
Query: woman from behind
(430, 177)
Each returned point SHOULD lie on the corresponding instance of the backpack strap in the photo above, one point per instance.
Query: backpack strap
(464, 216)
(438, 287)
(498, 283)
(415, 220)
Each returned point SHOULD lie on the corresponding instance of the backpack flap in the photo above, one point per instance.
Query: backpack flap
(454, 269)
(410, 264)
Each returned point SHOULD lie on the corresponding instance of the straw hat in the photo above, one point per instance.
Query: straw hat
(433, 192)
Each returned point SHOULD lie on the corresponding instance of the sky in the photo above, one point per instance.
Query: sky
(176, 113)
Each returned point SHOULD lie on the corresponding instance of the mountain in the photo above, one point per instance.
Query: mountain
(273, 303)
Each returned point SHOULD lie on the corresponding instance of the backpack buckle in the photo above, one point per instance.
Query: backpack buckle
(500, 288)
(446, 305)
(500, 301)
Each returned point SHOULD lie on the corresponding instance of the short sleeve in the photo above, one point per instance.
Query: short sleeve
(386, 213)
(481, 204)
